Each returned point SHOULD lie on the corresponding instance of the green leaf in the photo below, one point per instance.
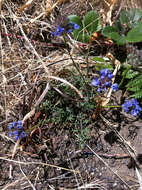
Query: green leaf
(92, 22)
(135, 14)
(79, 34)
(98, 59)
(135, 82)
(134, 89)
(76, 19)
(124, 17)
(120, 40)
(131, 74)
(130, 18)
(100, 66)
(137, 95)
(126, 71)
(111, 32)
(108, 30)
(135, 34)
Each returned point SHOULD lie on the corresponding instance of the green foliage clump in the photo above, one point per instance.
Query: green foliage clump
(90, 23)
(135, 84)
(126, 29)
(70, 112)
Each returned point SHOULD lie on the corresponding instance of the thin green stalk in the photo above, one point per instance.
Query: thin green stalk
(87, 63)
(124, 75)
(74, 63)
(112, 106)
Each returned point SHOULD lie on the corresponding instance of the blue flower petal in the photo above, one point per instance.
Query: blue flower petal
(107, 84)
(76, 26)
(110, 76)
(99, 90)
(70, 30)
(19, 126)
(19, 122)
(16, 132)
(95, 82)
(114, 87)
(23, 134)
(134, 112)
(16, 138)
(10, 134)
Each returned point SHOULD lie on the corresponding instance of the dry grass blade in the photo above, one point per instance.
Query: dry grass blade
(68, 83)
(32, 112)
(27, 177)
(39, 163)
(31, 46)
(1, 2)
(26, 5)
(108, 6)
(107, 95)
(139, 178)
(93, 185)
(13, 184)
(59, 2)
(49, 7)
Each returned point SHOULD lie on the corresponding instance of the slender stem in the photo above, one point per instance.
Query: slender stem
(124, 75)
(112, 106)
(74, 63)
(87, 63)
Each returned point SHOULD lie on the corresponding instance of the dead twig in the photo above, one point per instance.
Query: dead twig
(39, 163)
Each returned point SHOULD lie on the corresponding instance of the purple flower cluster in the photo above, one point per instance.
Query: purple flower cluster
(16, 130)
(104, 81)
(71, 26)
(132, 106)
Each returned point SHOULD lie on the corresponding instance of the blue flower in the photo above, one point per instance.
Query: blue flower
(105, 81)
(99, 90)
(17, 137)
(12, 125)
(95, 82)
(58, 32)
(127, 105)
(19, 122)
(69, 29)
(114, 87)
(110, 75)
(107, 84)
(102, 77)
(132, 106)
(10, 134)
(19, 126)
(134, 112)
(16, 130)
(105, 72)
(23, 134)
(16, 133)
(75, 26)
